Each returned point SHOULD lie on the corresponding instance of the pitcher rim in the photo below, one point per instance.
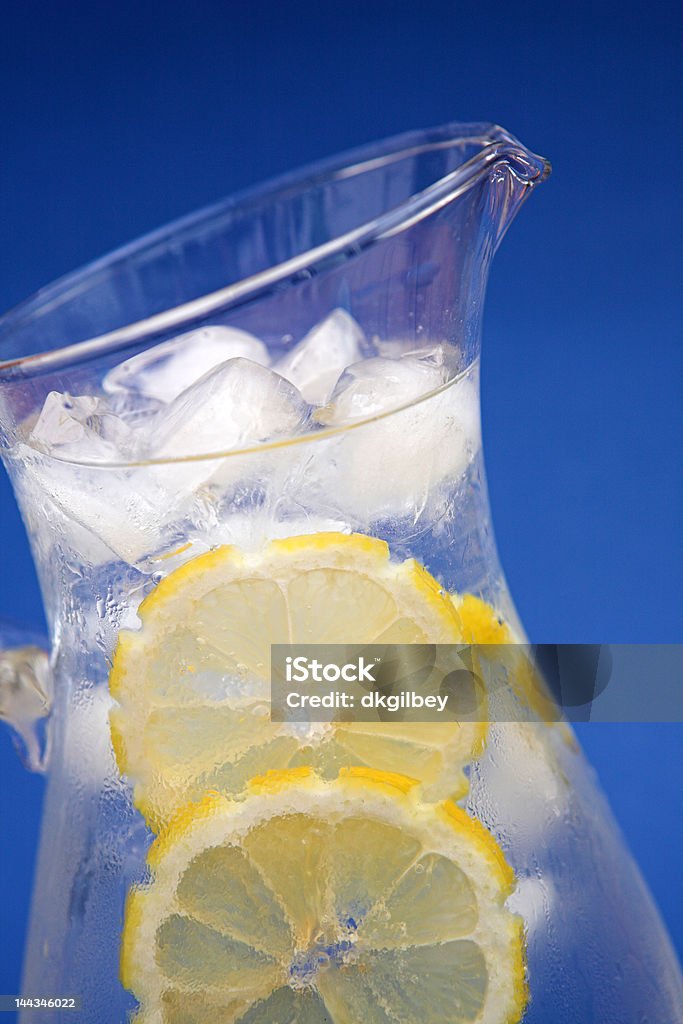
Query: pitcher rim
(496, 146)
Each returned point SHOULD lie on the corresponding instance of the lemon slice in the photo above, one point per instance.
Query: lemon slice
(192, 686)
(325, 903)
(480, 623)
(510, 672)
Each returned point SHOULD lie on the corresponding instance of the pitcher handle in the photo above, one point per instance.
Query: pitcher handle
(26, 692)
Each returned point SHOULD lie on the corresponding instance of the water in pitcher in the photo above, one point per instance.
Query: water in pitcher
(381, 445)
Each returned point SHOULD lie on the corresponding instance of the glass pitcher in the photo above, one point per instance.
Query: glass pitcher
(260, 426)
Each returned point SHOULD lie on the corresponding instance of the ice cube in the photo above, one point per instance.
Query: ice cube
(317, 362)
(81, 427)
(166, 370)
(102, 513)
(61, 420)
(398, 465)
(442, 353)
(374, 386)
(233, 406)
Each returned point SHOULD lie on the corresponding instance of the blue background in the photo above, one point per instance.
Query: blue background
(118, 117)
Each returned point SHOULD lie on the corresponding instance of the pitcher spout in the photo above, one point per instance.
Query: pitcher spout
(514, 172)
